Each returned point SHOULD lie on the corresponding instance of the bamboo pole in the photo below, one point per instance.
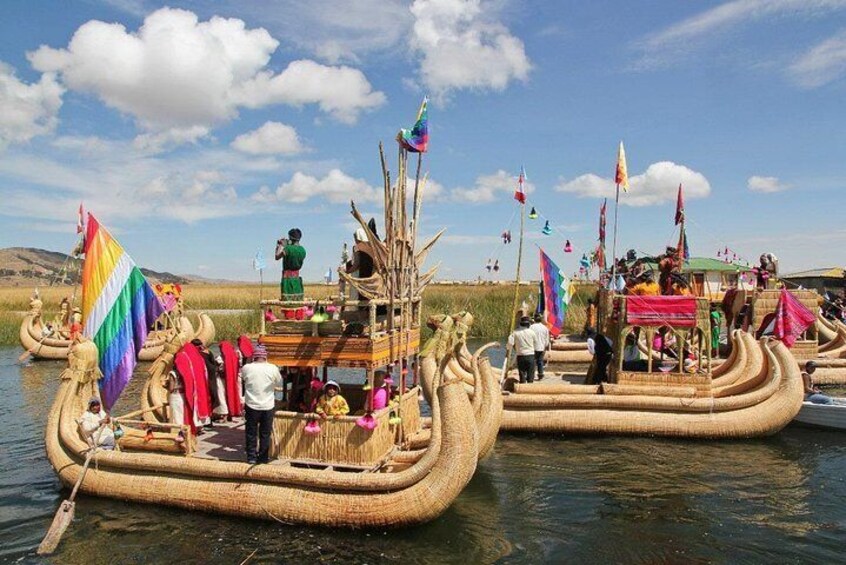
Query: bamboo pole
(516, 287)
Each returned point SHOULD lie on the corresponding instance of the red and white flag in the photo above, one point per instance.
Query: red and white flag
(520, 193)
(680, 206)
(792, 318)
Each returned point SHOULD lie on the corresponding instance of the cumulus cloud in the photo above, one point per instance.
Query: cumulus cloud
(340, 91)
(27, 110)
(336, 187)
(822, 64)
(462, 46)
(273, 138)
(489, 188)
(657, 185)
(765, 184)
(177, 73)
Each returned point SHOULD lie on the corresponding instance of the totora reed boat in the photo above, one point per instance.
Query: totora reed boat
(157, 473)
(755, 392)
(58, 345)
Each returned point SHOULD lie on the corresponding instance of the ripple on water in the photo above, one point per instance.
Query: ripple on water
(535, 499)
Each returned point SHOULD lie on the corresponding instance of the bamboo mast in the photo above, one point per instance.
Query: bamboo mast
(516, 285)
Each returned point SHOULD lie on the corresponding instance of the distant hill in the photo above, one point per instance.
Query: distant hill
(26, 266)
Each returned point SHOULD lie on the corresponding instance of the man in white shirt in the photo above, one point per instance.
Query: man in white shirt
(524, 342)
(260, 379)
(95, 424)
(543, 335)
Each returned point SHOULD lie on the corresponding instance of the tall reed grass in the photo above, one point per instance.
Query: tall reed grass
(490, 305)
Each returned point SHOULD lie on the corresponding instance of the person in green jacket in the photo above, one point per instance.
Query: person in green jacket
(716, 320)
(293, 255)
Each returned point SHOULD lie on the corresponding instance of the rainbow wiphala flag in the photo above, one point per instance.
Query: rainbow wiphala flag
(416, 139)
(118, 308)
(556, 291)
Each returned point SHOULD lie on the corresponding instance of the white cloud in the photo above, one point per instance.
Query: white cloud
(337, 187)
(27, 110)
(176, 72)
(822, 64)
(340, 91)
(658, 184)
(463, 46)
(334, 30)
(488, 188)
(765, 184)
(679, 39)
(156, 142)
(273, 138)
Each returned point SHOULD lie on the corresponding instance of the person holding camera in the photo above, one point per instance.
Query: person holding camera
(292, 255)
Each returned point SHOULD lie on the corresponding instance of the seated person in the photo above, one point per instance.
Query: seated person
(632, 360)
(269, 316)
(813, 393)
(95, 425)
(679, 286)
(381, 389)
(331, 402)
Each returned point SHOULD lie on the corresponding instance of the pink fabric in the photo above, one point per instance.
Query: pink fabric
(672, 311)
(380, 398)
(791, 318)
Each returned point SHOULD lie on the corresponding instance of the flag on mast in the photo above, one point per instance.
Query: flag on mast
(556, 294)
(520, 193)
(80, 222)
(416, 139)
(602, 221)
(259, 263)
(622, 175)
(118, 308)
(680, 206)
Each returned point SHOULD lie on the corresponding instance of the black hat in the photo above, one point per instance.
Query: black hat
(295, 234)
(525, 321)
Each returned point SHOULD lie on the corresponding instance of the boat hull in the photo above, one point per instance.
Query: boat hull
(832, 416)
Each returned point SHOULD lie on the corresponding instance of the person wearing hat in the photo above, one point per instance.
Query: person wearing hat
(331, 403)
(293, 256)
(543, 333)
(260, 380)
(95, 425)
(524, 342)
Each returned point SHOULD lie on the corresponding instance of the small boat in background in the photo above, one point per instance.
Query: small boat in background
(832, 416)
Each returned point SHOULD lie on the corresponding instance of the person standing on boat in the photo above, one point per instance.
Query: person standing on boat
(716, 322)
(590, 317)
(216, 385)
(524, 342)
(260, 380)
(813, 393)
(292, 255)
(543, 335)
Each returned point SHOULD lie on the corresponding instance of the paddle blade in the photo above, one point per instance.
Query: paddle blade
(24, 356)
(61, 521)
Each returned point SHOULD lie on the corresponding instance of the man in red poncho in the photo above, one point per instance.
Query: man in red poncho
(191, 368)
(231, 374)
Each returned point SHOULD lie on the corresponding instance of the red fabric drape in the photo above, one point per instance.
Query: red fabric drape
(192, 367)
(230, 371)
(673, 311)
(245, 346)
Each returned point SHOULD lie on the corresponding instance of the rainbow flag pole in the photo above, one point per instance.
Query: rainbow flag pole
(118, 308)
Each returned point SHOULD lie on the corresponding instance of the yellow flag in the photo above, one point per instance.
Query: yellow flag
(622, 176)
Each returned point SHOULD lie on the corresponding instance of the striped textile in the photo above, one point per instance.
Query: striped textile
(118, 308)
(672, 311)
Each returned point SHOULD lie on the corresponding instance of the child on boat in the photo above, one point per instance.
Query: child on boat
(331, 402)
(813, 393)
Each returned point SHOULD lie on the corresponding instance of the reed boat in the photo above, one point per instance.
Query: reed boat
(58, 347)
(197, 478)
(755, 392)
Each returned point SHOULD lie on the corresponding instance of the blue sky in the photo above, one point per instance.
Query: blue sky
(205, 130)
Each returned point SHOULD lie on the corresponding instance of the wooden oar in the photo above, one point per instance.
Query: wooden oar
(32, 350)
(64, 515)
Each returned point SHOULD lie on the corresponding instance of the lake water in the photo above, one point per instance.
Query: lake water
(535, 499)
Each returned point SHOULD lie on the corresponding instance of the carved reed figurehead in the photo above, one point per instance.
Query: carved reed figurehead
(35, 306)
(83, 364)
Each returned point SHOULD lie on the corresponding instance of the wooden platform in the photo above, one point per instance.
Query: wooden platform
(367, 352)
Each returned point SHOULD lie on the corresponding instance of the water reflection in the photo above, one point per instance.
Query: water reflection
(535, 499)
